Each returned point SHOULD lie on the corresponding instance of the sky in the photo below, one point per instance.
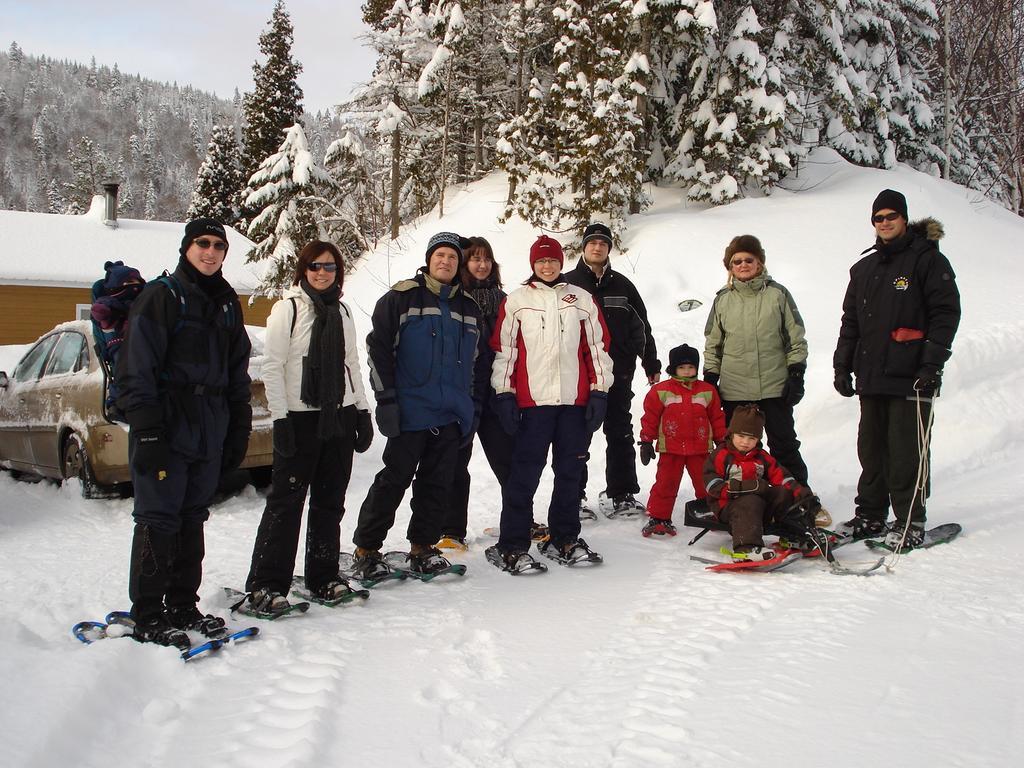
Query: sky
(209, 45)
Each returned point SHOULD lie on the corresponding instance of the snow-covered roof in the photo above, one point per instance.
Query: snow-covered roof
(69, 251)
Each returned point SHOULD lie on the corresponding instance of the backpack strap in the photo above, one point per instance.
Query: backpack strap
(295, 315)
(174, 287)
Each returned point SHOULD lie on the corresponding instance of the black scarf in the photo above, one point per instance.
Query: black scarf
(323, 370)
(486, 294)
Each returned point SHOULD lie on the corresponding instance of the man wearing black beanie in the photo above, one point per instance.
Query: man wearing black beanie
(631, 338)
(183, 382)
(900, 315)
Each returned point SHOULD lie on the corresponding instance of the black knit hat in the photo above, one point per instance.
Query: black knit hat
(891, 199)
(597, 231)
(447, 240)
(199, 227)
(747, 420)
(682, 355)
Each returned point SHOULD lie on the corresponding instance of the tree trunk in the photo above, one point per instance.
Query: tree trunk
(396, 181)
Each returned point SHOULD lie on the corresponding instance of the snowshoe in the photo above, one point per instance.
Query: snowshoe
(189, 618)
(658, 527)
(335, 592)
(586, 511)
(263, 604)
(571, 553)
(539, 532)
(425, 566)
(368, 568)
(156, 630)
(861, 528)
(620, 507)
(515, 563)
(926, 539)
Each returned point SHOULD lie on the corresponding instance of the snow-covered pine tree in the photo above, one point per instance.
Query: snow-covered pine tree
(349, 217)
(289, 191)
(219, 179)
(592, 106)
(276, 99)
(89, 168)
(735, 114)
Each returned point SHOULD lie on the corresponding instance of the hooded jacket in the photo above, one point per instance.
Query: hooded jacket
(900, 313)
(286, 345)
(727, 464)
(624, 313)
(754, 333)
(683, 418)
(421, 352)
(550, 346)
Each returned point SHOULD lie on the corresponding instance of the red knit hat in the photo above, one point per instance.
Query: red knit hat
(546, 248)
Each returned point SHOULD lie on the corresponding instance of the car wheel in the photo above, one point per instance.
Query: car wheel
(75, 463)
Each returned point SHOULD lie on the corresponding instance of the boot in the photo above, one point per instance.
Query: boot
(186, 571)
(148, 572)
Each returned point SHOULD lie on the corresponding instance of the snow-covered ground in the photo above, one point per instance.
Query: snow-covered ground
(647, 660)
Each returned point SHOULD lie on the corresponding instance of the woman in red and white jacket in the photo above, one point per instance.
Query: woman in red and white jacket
(551, 376)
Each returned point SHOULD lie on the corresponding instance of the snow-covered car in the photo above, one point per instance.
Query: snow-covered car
(53, 423)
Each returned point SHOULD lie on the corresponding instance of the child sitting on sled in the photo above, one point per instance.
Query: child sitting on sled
(682, 421)
(749, 490)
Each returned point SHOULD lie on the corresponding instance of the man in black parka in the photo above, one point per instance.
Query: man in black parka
(900, 315)
(183, 379)
(626, 317)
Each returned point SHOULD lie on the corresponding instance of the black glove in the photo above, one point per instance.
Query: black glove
(235, 445)
(647, 453)
(711, 378)
(388, 418)
(597, 407)
(364, 431)
(844, 384)
(507, 410)
(927, 380)
(793, 389)
(284, 437)
(150, 452)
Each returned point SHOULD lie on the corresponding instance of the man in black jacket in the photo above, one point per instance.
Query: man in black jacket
(630, 332)
(900, 315)
(183, 379)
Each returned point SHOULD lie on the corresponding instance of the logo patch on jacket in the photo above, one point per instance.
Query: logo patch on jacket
(569, 298)
(901, 283)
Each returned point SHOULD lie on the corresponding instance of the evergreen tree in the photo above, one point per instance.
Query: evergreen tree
(89, 168)
(734, 115)
(219, 179)
(345, 220)
(276, 100)
(289, 192)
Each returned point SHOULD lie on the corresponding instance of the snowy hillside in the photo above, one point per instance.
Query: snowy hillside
(647, 660)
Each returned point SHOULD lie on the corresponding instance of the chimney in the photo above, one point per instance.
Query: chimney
(110, 203)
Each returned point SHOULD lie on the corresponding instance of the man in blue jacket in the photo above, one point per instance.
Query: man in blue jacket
(183, 378)
(421, 351)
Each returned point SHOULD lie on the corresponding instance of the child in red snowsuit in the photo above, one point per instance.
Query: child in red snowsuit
(748, 489)
(684, 416)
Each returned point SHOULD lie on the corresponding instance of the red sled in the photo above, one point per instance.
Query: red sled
(781, 559)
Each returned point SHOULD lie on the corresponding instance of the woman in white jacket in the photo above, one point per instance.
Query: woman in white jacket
(551, 375)
(316, 398)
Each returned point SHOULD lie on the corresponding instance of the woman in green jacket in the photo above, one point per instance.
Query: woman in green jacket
(755, 351)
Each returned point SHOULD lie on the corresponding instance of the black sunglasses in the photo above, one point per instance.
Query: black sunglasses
(218, 245)
(878, 218)
(327, 266)
(747, 260)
